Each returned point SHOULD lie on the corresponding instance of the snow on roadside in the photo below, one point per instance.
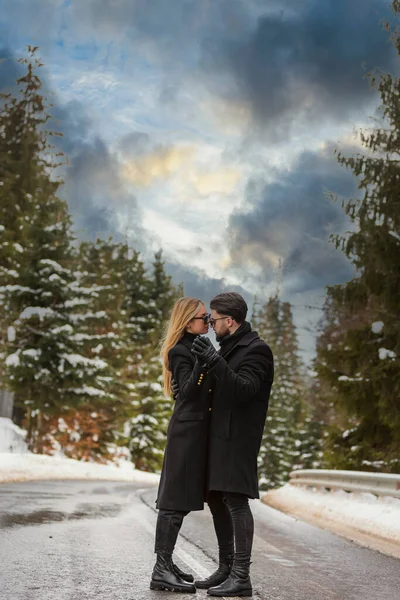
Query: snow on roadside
(376, 516)
(12, 437)
(31, 467)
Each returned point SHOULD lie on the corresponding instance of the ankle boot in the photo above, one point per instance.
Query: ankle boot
(185, 576)
(164, 577)
(237, 584)
(219, 576)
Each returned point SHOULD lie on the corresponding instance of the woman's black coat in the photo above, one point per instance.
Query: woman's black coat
(242, 386)
(183, 476)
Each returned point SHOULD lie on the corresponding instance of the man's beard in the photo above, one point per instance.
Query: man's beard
(222, 335)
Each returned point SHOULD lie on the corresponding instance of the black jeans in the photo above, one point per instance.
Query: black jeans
(169, 523)
(233, 523)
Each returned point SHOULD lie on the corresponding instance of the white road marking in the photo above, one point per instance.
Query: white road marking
(191, 562)
(278, 559)
(268, 545)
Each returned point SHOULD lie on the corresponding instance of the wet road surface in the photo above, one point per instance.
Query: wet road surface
(77, 540)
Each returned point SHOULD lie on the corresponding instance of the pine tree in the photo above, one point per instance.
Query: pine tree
(359, 349)
(35, 268)
(312, 426)
(20, 168)
(274, 323)
(162, 291)
(102, 334)
(148, 425)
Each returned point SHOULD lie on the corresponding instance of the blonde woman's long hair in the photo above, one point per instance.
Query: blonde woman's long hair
(183, 311)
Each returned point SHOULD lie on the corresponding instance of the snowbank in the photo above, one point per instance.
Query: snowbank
(365, 513)
(18, 464)
(12, 437)
(30, 467)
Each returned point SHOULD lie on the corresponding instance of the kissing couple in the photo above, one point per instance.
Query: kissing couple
(213, 438)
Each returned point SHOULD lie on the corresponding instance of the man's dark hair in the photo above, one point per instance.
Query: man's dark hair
(230, 304)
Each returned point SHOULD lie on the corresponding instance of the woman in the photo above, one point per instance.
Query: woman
(183, 475)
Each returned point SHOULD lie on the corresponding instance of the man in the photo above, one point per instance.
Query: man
(243, 375)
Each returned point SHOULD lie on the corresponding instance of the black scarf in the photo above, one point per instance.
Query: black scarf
(229, 341)
(189, 336)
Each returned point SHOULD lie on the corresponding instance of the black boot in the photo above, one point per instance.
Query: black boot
(165, 578)
(237, 584)
(185, 576)
(219, 576)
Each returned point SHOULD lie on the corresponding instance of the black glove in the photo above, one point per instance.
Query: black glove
(203, 349)
(174, 388)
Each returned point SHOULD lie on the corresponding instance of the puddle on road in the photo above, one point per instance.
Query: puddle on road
(40, 517)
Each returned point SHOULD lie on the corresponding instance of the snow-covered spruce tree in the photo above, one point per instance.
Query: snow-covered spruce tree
(41, 362)
(20, 167)
(162, 292)
(274, 323)
(117, 320)
(312, 427)
(359, 349)
(151, 409)
(92, 431)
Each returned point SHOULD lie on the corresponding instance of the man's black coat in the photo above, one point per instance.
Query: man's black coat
(183, 476)
(242, 386)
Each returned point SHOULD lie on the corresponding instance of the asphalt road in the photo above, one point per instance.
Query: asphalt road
(77, 540)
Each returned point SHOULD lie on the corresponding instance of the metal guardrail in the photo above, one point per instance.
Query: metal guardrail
(380, 484)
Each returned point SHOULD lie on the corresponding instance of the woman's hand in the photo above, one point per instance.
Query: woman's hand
(174, 388)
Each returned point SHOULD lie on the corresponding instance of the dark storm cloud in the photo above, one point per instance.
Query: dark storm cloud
(287, 61)
(41, 16)
(10, 70)
(293, 219)
(94, 185)
(176, 27)
(308, 62)
(96, 192)
(72, 121)
(135, 143)
(198, 285)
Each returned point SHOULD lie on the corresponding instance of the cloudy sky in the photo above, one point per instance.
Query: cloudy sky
(208, 128)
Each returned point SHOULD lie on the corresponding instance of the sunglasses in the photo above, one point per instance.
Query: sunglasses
(208, 320)
(213, 321)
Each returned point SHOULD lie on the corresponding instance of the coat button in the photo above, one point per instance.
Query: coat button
(210, 391)
(210, 409)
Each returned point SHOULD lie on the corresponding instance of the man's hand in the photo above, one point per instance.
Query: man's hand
(174, 389)
(203, 349)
